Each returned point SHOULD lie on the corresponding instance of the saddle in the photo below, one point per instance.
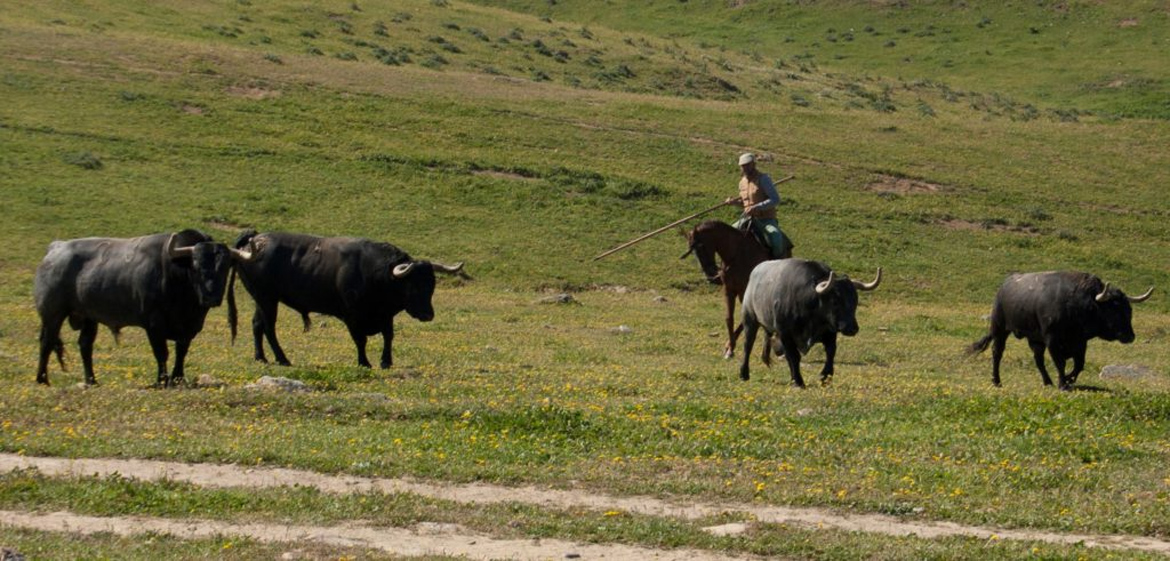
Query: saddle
(757, 232)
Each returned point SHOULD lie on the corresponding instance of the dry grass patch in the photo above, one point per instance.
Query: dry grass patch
(903, 186)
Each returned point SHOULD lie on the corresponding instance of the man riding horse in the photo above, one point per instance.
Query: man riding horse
(757, 194)
(739, 250)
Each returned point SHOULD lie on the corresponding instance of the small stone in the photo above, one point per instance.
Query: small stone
(294, 555)
(732, 529)
(623, 330)
(209, 381)
(572, 555)
(661, 299)
(562, 298)
(278, 383)
(1125, 371)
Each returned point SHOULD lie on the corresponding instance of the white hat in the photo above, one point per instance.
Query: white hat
(746, 158)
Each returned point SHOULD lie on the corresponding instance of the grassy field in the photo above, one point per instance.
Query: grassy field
(339, 119)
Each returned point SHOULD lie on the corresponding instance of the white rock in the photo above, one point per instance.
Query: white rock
(732, 529)
(1125, 371)
(278, 383)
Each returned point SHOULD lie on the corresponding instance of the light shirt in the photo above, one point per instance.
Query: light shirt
(759, 196)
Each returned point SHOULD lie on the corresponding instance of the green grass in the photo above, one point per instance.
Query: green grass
(135, 118)
(1102, 57)
(67, 547)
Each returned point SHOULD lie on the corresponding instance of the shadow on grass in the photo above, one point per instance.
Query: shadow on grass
(1091, 389)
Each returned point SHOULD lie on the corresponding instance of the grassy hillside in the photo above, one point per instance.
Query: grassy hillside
(524, 139)
(1105, 57)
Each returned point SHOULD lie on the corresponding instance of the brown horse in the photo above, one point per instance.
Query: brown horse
(739, 253)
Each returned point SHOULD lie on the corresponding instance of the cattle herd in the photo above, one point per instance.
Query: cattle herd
(167, 283)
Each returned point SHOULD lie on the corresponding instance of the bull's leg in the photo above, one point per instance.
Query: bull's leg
(158, 344)
(998, 341)
(50, 341)
(268, 312)
(85, 341)
(766, 350)
(359, 340)
(1078, 364)
(793, 359)
(388, 347)
(830, 344)
(181, 347)
(1060, 361)
(732, 330)
(751, 328)
(258, 337)
(1038, 355)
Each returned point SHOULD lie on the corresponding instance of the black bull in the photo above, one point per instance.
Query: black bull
(1058, 311)
(803, 303)
(163, 283)
(361, 282)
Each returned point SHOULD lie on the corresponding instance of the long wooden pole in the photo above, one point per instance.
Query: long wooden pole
(643, 237)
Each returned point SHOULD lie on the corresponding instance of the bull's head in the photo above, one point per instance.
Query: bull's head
(418, 285)
(210, 263)
(1115, 314)
(838, 300)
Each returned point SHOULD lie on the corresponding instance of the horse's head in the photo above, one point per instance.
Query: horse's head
(702, 243)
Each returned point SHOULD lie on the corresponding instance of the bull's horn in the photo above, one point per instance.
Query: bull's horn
(1143, 297)
(869, 285)
(449, 269)
(1104, 291)
(690, 250)
(402, 270)
(241, 255)
(177, 252)
(245, 255)
(826, 284)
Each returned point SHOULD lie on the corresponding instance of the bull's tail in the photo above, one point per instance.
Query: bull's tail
(233, 312)
(980, 345)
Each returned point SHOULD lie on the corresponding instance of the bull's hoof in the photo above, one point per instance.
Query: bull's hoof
(1066, 387)
(261, 358)
(386, 365)
(744, 375)
(43, 380)
(728, 354)
(826, 380)
(799, 384)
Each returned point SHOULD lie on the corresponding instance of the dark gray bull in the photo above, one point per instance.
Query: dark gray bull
(803, 303)
(361, 282)
(1059, 311)
(163, 283)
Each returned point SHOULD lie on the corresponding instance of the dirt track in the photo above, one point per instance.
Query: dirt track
(213, 475)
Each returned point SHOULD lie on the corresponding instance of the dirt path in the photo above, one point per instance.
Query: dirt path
(424, 539)
(215, 475)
